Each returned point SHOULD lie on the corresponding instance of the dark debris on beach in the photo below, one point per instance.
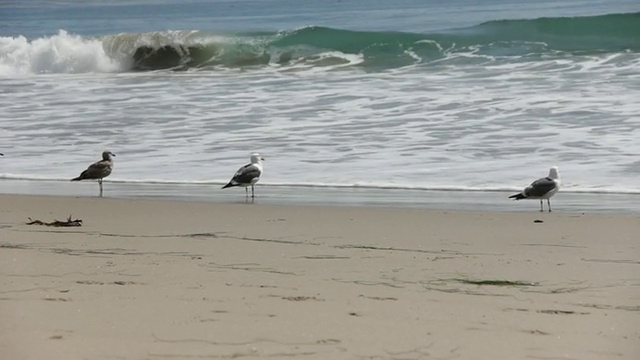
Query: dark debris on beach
(496, 282)
(57, 223)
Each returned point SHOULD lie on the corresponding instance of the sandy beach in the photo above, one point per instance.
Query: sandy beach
(155, 279)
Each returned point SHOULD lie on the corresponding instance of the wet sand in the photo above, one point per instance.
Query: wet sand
(152, 279)
(456, 200)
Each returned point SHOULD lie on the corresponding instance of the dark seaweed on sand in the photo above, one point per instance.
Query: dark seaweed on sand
(496, 282)
(57, 223)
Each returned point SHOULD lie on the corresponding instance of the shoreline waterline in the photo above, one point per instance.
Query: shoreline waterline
(444, 200)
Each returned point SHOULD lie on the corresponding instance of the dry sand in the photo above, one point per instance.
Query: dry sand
(181, 280)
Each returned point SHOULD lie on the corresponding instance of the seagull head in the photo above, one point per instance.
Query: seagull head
(106, 155)
(256, 158)
(553, 173)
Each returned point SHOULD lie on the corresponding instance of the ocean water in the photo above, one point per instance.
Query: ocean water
(462, 96)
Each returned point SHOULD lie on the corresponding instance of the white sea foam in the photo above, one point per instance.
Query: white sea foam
(61, 53)
(450, 126)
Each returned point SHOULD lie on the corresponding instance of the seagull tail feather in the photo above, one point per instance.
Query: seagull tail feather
(518, 196)
(230, 184)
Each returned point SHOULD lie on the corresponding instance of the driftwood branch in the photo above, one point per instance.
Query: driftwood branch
(57, 223)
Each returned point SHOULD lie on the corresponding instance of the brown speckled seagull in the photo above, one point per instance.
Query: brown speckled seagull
(98, 170)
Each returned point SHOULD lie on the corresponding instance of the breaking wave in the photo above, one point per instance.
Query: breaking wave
(316, 46)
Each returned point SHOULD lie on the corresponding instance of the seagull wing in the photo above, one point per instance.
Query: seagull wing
(97, 170)
(246, 174)
(540, 187)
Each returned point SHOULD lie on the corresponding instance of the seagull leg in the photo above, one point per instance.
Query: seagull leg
(252, 192)
(541, 207)
(246, 192)
(100, 184)
(549, 204)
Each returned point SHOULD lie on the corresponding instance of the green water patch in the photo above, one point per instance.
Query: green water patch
(318, 46)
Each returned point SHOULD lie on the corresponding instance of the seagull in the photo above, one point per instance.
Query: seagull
(248, 175)
(543, 188)
(98, 170)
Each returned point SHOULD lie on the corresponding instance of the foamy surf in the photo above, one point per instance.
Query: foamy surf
(321, 47)
(467, 112)
(62, 53)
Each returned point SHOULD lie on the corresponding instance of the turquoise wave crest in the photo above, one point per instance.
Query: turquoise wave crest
(323, 46)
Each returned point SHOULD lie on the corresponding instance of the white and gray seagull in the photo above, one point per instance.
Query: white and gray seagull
(98, 170)
(248, 175)
(543, 188)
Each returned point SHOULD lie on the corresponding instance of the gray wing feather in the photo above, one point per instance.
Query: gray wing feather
(98, 170)
(245, 174)
(540, 187)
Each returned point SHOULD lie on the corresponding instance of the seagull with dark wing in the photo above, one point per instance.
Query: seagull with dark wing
(248, 175)
(98, 170)
(543, 188)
